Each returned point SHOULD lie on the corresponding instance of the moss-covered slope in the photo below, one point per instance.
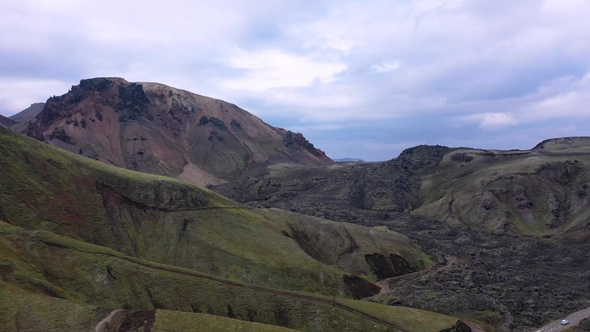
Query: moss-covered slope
(82, 280)
(542, 191)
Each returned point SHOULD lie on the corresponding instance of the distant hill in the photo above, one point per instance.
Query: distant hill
(348, 160)
(158, 129)
(6, 122)
(29, 113)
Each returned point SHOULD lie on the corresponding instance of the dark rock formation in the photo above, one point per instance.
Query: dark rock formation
(387, 267)
(360, 288)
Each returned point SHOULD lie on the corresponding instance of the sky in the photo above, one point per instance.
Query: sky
(358, 78)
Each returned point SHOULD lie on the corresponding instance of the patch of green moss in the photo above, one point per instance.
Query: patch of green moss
(169, 321)
(410, 319)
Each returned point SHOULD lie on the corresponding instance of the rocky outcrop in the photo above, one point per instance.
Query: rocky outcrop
(459, 327)
(127, 320)
(360, 288)
(386, 267)
(160, 195)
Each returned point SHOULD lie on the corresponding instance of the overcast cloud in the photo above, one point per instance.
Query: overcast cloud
(358, 78)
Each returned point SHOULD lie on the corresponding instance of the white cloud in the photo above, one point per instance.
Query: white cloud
(16, 95)
(566, 98)
(497, 120)
(269, 69)
(385, 67)
(574, 103)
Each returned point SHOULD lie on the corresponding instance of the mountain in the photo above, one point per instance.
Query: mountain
(29, 113)
(85, 244)
(348, 160)
(154, 128)
(6, 122)
(498, 238)
(21, 119)
(502, 226)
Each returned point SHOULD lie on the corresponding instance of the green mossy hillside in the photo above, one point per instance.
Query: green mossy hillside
(86, 282)
(541, 192)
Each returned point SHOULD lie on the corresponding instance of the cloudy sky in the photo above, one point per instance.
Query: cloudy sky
(358, 78)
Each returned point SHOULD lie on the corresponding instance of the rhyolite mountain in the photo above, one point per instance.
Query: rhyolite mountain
(155, 128)
(89, 246)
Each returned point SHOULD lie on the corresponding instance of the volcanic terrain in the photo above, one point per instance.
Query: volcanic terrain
(286, 237)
